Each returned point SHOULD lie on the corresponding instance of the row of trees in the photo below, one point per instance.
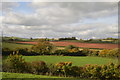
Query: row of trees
(69, 38)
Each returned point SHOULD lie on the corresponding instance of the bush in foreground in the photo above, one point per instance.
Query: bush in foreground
(14, 63)
(39, 67)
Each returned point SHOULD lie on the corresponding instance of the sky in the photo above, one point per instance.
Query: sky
(83, 20)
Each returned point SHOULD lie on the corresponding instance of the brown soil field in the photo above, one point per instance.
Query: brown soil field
(83, 45)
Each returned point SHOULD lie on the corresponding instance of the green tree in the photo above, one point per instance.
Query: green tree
(71, 47)
(43, 47)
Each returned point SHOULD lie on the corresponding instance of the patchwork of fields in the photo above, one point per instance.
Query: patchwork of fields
(76, 60)
(78, 44)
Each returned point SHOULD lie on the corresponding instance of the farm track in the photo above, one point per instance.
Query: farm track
(84, 45)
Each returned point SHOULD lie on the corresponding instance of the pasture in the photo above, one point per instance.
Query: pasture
(15, 45)
(77, 61)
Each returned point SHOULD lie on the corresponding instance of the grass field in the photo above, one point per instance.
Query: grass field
(14, 45)
(21, 76)
(78, 61)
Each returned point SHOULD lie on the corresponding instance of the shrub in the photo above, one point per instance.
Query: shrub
(92, 71)
(43, 47)
(115, 53)
(103, 53)
(94, 53)
(6, 51)
(28, 67)
(39, 67)
(63, 68)
(71, 47)
(22, 51)
(76, 71)
(86, 52)
(110, 71)
(60, 52)
(14, 63)
(66, 69)
(52, 70)
(72, 51)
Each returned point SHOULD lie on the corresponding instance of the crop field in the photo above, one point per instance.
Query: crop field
(77, 61)
(83, 45)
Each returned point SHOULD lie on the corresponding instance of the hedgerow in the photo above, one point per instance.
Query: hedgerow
(15, 63)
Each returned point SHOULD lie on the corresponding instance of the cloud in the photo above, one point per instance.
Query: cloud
(8, 6)
(62, 20)
(62, 13)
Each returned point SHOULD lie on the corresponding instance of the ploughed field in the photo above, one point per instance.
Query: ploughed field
(78, 44)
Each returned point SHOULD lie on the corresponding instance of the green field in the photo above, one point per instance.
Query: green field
(15, 45)
(78, 61)
(20, 76)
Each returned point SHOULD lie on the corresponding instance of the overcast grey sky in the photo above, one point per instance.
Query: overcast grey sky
(60, 19)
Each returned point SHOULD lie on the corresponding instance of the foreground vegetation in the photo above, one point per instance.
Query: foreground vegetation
(16, 64)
